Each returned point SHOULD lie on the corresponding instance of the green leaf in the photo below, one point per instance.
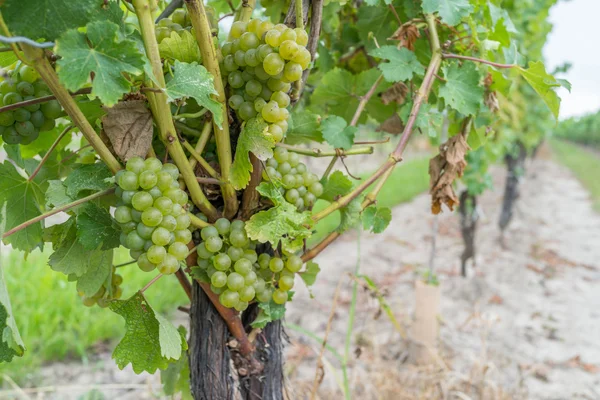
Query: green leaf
(93, 177)
(176, 378)
(97, 272)
(102, 51)
(21, 199)
(336, 185)
(254, 138)
(180, 46)
(350, 215)
(69, 256)
(303, 127)
(376, 218)
(268, 312)
(48, 19)
(309, 275)
(336, 132)
(451, 11)
(56, 194)
(378, 21)
(402, 63)
(150, 341)
(283, 222)
(429, 120)
(544, 84)
(193, 80)
(462, 90)
(11, 344)
(95, 229)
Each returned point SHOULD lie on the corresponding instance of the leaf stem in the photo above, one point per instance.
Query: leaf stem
(299, 13)
(45, 158)
(479, 60)
(186, 129)
(204, 38)
(329, 167)
(245, 10)
(56, 211)
(211, 171)
(202, 141)
(157, 277)
(39, 100)
(162, 112)
(197, 222)
(43, 67)
(321, 153)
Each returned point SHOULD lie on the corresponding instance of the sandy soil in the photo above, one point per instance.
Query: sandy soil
(525, 323)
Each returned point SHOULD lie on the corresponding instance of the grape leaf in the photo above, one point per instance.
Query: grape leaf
(451, 11)
(283, 222)
(176, 378)
(20, 196)
(98, 272)
(180, 46)
(378, 21)
(429, 120)
(376, 218)
(103, 52)
(193, 80)
(349, 215)
(88, 177)
(48, 19)
(269, 312)
(337, 133)
(462, 90)
(303, 128)
(69, 256)
(254, 138)
(336, 185)
(128, 125)
(56, 194)
(543, 83)
(95, 229)
(402, 63)
(309, 275)
(150, 341)
(11, 344)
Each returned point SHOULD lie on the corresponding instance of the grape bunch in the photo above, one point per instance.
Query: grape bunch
(103, 296)
(180, 21)
(260, 63)
(299, 187)
(24, 124)
(237, 274)
(154, 222)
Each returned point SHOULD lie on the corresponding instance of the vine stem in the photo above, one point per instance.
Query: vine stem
(246, 9)
(185, 283)
(197, 222)
(202, 141)
(156, 278)
(299, 14)
(313, 42)
(479, 60)
(39, 100)
(162, 113)
(211, 171)
(43, 67)
(58, 139)
(321, 153)
(197, 14)
(56, 211)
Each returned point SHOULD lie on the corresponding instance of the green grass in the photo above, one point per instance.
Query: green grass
(408, 180)
(53, 322)
(583, 163)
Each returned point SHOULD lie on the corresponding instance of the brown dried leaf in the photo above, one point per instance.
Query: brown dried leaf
(444, 169)
(393, 125)
(408, 35)
(128, 125)
(396, 93)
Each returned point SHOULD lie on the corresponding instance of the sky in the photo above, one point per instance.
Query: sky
(569, 41)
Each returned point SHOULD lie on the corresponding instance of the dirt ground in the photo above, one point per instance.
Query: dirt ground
(524, 324)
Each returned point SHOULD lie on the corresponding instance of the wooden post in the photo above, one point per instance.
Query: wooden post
(424, 331)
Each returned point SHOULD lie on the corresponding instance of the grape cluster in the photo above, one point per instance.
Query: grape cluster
(237, 273)
(260, 63)
(152, 216)
(180, 21)
(299, 187)
(103, 296)
(24, 124)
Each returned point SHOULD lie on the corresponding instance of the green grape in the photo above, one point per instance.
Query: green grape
(152, 216)
(237, 225)
(247, 74)
(155, 192)
(246, 111)
(226, 49)
(179, 250)
(154, 165)
(289, 181)
(21, 115)
(222, 262)
(25, 89)
(28, 74)
(222, 225)
(284, 168)
(178, 16)
(286, 283)
(147, 180)
(235, 101)
(51, 109)
(292, 195)
(242, 266)
(48, 125)
(235, 80)
(229, 63)
(229, 298)
(301, 36)
(248, 41)
(128, 227)
(263, 260)
(208, 232)
(301, 168)
(134, 241)
(276, 264)
(128, 181)
(235, 253)
(10, 136)
(141, 201)
(144, 231)
(31, 107)
(250, 255)
(7, 86)
(288, 49)
(7, 118)
(163, 203)
(135, 164)
(218, 279)
(214, 244)
(301, 189)
(263, 296)
(294, 263)
(240, 59)
(254, 25)
(156, 254)
(171, 169)
(177, 196)
(273, 64)
(261, 74)
(265, 26)
(271, 162)
(273, 37)
(266, 93)
(280, 296)
(183, 222)
(259, 284)
(294, 159)
(302, 57)
(238, 238)
(162, 33)
(237, 29)
(163, 180)
(217, 290)
(275, 85)
(247, 293)
(12, 98)
(161, 236)
(316, 189)
(203, 252)
(168, 266)
(270, 111)
(235, 281)
(25, 128)
(183, 236)
(253, 88)
(261, 52)
(281, 98)
(292, 71)
(123, 214)
(259, 104)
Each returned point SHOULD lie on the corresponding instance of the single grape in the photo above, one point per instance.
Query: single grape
(25, 89)
(203, 252)
(226, 49)
(251, 58)
(273, 37)
(161, 236)
(141, 201)
(134, 241)
(235, 101)
(264, 296)
(276, 132)
(302, 57)
(316, 189)
(280, 296)
(237, 29)
(213, 244)
(246, 111)
(238, 238)
(229, 298)
(309, 178)
(28, 74)
(286, 283)
(289, 181)
(183, 236)
(292, 71)
(152, 216)
(135, 164)
(218, 279)
(208, 232)
(273, 64)
(155, 192)
(261, 52)
(276, 264)
(178, 250)
(156, 254)
(237, 225)
(281, 27)
(169, 265)
(48, 124)
(259, 284)
(163, 204)
(21, 115)
(153, 164)
(263, 260)
(235, 281)
(235, 253)
(7, 118)
(31, 107)
(12, 98)
(242, 266)
(259, 104)
(222, 225)
(229, 63)
(51, 109)
(270, 111)
(123, 214)
(222, 262)
(217, 290)
(288, 49)
(235, 79)
(183, 222)
(248, 41)
(292, 195)
(301, 36)
(144, 231)
(280, 154)
(247, 293)
(253, 88)
(128, 181)
(294, 263)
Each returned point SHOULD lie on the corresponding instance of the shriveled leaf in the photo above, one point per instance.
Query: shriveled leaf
(336, 185)
(309, 275)
(376, 219)
(268, 312)
(402, 63)
(254, 138)
(93, 177)
(180, 46)
(303, 128)
(193, 80)
(128, 125)
(544, 85)
(396, 93)
(21, 199)
(96, 229)
(103, 52)
(462, 90)
(444, 168)
(150, 341)
(337, 133)
(451, 11)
